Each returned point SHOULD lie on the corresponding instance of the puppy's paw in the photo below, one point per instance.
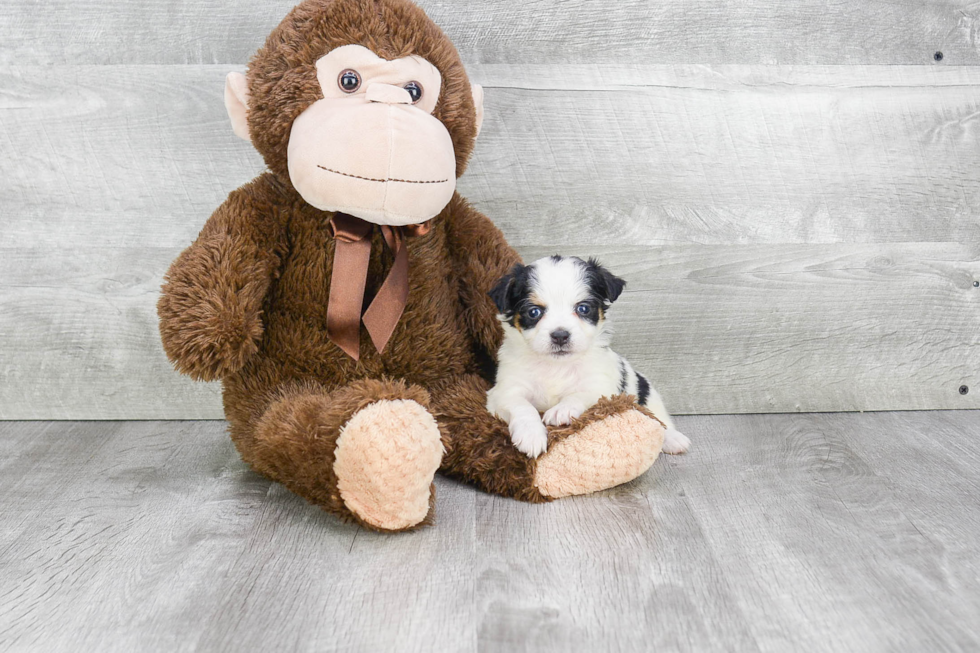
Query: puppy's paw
(562, 414)
(529, 435)
(675, 441)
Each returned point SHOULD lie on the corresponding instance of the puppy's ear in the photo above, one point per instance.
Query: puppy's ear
(604, 283)
(508, 290)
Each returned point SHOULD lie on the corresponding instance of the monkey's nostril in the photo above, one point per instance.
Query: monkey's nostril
(387, 94)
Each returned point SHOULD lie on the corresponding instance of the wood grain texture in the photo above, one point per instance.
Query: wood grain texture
(807, 532)
(923, 468)
(785, 328)
(760, 328)
(80, 338)
(731, 155)
(812, 536)
(127, 155)
(512, 31)
(161, 540)
(799, 225)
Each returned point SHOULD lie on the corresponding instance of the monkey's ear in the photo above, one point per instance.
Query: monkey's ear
(236, 103)
(478, 103)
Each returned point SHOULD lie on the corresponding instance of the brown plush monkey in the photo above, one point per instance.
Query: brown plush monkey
(341, 297)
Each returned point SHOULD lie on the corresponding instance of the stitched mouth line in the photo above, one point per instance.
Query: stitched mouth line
(403, 181)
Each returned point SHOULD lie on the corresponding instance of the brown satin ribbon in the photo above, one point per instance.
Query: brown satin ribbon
(350, 267)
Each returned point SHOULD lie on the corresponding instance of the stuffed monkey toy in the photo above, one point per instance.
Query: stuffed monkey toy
(341, 297)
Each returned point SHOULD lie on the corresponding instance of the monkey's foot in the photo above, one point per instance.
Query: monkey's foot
(611, 451)
(386, 456)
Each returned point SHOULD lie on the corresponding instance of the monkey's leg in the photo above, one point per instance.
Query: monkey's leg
(612, 443)
(366, 451)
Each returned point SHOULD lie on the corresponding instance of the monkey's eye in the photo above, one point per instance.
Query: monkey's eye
(415, 90)
(349, 81)
(583, 309)
(534, 312)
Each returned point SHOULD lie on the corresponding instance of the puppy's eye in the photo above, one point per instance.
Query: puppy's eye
(583, 309)
(534, 312)
(349, 81)
(415, 90)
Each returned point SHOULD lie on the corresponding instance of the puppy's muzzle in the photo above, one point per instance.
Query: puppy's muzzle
(560, 338)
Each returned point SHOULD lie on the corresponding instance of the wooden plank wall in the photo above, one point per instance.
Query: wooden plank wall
(791, 189)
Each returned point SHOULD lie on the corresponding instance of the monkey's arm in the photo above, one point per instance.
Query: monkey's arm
(481, 256)
(210, 306)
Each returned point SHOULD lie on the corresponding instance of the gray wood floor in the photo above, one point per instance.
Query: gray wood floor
(846, 532)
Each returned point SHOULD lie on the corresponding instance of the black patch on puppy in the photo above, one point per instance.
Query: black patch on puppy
(595, 310)
(642, 389)
(524, 320)
(510, 294)
(622, 375)
(603, 284)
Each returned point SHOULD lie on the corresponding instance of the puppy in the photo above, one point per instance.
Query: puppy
(555, 358)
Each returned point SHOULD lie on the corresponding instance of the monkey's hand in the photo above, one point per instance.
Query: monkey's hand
(210, 306)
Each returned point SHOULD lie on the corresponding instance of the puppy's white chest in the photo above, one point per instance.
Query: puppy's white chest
(586, 377)
(552, 388)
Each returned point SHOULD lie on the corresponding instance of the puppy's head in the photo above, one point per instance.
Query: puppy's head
(557, 304)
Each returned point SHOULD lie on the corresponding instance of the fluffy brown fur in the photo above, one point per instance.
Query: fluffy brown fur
(294, 440)
(247, 301)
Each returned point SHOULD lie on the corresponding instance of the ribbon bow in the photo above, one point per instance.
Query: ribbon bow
(349, 277)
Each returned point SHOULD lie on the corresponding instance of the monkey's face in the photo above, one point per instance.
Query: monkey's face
(371, 147)
(362, 107)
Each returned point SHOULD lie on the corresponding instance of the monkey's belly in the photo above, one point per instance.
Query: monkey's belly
(295, 349)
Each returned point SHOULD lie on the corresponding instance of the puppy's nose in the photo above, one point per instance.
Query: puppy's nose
(560, 337)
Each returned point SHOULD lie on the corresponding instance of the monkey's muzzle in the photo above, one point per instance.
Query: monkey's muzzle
(373, 156)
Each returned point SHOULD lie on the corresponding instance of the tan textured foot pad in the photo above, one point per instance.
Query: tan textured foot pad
(602, 455)
(386, 457)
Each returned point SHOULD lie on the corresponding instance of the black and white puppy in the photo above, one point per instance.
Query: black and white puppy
(555, 358)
